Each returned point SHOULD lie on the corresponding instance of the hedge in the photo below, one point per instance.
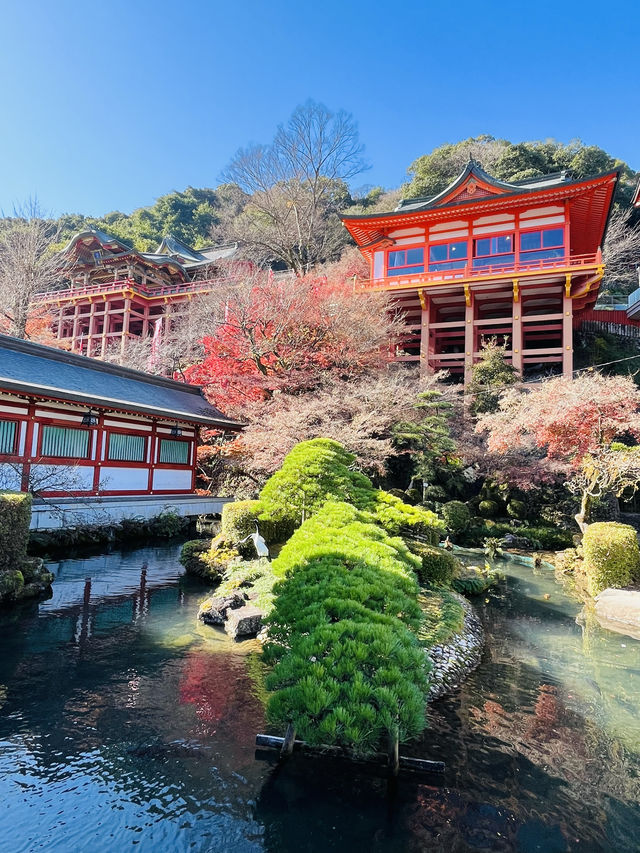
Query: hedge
(15, 518)
(321, 470)
(349, 668)
(438, 566)
(611, 555)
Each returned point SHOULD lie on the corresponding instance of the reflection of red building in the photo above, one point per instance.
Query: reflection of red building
(118, 293)
(489, 258)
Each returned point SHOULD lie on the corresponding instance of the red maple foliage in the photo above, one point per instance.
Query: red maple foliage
(567, 419)
(269, 335)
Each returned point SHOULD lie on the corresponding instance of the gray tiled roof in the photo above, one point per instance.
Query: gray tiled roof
(28, 368)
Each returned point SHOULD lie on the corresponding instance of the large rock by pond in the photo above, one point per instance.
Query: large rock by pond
(214, 611)
(243, 622)
(455, 659)
(619, 610)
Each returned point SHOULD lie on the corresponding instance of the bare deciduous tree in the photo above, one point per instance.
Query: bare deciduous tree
(621, 252)
(28, 263)
(295, 185)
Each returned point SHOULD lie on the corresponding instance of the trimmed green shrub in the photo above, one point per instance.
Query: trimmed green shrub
(456, 516)
(438, 566)
(488, 509)
(517, 509)
(312, 473)
(15, 518)
(611, 555)
(397, 517)
(435, 493)
(349, 668)
(239, 520)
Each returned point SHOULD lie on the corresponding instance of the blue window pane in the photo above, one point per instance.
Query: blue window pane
(552, 237)
(448, 265)
(502, 245)
(494, 261)
(406, 270)
(415, 256)
(541, 255)
(483, 247)
(438, 253)
(458, 250)
(530, 240)
(396, 259)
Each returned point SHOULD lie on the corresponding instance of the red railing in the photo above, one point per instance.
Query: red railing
(469, 273)
(125, 284)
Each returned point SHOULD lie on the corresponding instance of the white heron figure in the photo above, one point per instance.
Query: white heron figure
(258, 543)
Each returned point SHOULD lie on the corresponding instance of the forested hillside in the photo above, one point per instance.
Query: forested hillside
(228, 213)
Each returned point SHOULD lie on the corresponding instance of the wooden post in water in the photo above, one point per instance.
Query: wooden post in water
(289, 740)
(393, 754)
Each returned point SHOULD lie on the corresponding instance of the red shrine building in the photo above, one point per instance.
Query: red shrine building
(487, 258)
(98, 441)
(117, 293)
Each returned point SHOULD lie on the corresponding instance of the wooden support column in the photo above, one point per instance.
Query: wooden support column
(567, 330)
(125, 324)
(60, 321)
(516, 335)
(469, 333)
(92, 327)
(74, 332)
(424, 332)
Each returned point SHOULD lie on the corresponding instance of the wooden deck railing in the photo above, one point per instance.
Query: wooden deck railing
(468, 273)
(124, 284)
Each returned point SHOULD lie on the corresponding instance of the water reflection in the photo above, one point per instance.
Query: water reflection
(124, 723)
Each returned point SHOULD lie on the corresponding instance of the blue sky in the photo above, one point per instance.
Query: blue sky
(106, 106)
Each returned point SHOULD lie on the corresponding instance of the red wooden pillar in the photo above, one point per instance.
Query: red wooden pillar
(74, 333)
(567, 330)
(92, 325)
(99, 439)
(516, 329)
(469, 333)
(424, 332)
(28, 447)
(126, 315)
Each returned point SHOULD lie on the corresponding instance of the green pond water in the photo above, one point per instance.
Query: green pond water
(124, 725)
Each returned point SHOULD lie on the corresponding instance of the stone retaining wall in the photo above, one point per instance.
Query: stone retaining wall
(453, 661)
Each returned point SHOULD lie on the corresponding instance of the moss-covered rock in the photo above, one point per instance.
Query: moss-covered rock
(475, 580)
(611, 556)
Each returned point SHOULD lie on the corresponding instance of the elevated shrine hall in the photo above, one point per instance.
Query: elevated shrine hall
(117, 293)
(487, 258)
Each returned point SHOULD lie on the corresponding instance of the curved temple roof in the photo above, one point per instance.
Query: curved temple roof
(39, 371)
(475, 192)
(172, 253)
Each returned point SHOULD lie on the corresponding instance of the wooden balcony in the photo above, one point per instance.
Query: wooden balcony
(124, 287)
(587, 264)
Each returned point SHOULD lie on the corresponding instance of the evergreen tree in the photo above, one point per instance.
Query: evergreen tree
(490, 377)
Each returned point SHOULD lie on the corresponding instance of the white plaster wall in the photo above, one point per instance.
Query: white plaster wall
(169, 478)
(62, 478)
(10, 477)
(124, 479)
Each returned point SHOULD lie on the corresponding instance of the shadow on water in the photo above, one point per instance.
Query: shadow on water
(124, 723)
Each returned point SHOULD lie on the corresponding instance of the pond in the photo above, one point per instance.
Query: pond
(126, 725)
